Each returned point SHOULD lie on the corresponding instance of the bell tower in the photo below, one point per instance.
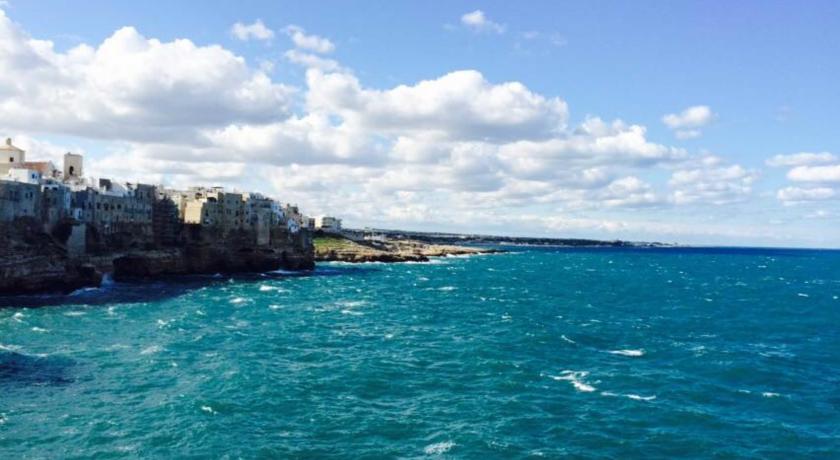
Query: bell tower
(72, 166)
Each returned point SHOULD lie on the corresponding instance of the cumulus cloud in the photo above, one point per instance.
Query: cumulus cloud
(686, 124)
(802, 159)
(798, 194)
(312, 61)
(131, 87)
(255, 31)
(312, 43)
(830, 173)
(712, 182)
(460, 105)
(479, 22)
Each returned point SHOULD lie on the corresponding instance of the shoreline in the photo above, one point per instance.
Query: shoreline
(340, 248)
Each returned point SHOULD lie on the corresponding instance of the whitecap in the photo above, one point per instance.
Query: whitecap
(802, 294)
(567, 339)
(39, 329)
(351, 312)
(438, 448)
(352, 303)
(18, 317)
(447, 288)
(275, 307)
(74, 313)
(208, 409)
(634, 353)
(641, 398)
(238, 300)
(2, 418)
(574, 377)
(151, 350)
(770, 394)
(10, 347)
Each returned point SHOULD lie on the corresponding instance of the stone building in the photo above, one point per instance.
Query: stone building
(10, 157)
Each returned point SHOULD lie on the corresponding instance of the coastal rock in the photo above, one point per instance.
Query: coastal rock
(32, 262)
(331, 247)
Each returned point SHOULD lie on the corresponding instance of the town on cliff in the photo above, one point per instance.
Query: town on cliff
(60, 230)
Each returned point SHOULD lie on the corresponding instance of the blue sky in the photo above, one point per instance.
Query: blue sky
(761, 76)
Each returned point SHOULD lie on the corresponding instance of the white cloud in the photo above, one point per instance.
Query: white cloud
(312, 61)
(130, 87)
(256, 31)
(802, 159)
(686, 124)
(815, 173)
(712, 182)
(797, 194)
(309, 42)
(460, 105)
(479, 22)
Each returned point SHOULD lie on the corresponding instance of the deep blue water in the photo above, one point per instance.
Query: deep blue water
(701, 353)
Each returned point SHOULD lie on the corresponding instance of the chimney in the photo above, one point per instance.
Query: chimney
(8, 141)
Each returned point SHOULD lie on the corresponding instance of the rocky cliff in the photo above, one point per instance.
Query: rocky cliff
(32, 261)
(207, 252)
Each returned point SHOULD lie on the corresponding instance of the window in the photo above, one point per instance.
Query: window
(11, 159)
(72, 170)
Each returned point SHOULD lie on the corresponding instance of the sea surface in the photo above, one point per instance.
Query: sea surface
(587, 353)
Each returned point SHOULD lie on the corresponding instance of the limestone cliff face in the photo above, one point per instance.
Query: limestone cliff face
(33, 262)
(206, 251)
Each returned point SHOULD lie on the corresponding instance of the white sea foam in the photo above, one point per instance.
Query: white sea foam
(802, 294)
(18, 317)
(39, 329)
(10, 347)
(238, 300)
(769, 394)
(438, 448)
(151, 350)
(352, 303)
(632, 396)
(567, 339)
(75, 313)
(351, 312)
(274, 307)
(208, 409)
(447, 288)
(634, 353)
(2, 418)
(574, 377)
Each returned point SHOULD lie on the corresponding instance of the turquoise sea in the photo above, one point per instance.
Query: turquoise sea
(589, 353)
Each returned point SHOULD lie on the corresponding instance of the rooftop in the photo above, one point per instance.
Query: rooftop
(9, 147)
